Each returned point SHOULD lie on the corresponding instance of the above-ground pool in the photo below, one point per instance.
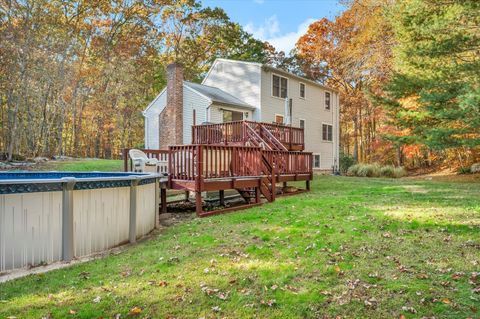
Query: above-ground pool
(51, 216)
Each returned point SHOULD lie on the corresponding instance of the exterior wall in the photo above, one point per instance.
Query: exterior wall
(216, 113)
(151, 120)
(241, 79)
(311, 109)
(193, 101)
(30, 229)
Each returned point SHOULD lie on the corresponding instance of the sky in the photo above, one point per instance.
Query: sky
(280, 22)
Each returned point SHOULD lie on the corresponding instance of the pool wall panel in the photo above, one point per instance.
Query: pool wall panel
(101, 219)
(30, 229)
(145, 209)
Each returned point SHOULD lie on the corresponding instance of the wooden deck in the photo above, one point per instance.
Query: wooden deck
(248, 157)
(239, 132)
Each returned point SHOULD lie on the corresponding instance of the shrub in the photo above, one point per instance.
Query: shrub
(375, 170)
(353, 170)
(346, 161)
(369, 170)
(399, 172)
(387, 171)
(475, 168)
(464, 170)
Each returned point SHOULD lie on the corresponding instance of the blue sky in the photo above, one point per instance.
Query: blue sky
(280, 22)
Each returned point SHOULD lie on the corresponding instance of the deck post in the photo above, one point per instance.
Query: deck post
(199, 180)
(198, 203)
(163, 196)
(274, 182)
(187, 196)
(157, 202)
(307, 185)
(221, 193)
(132, 231)
(67, 219)
(257, 193)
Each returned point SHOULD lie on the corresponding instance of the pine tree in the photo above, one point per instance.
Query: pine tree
(434, 95)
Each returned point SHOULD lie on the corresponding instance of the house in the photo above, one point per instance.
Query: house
(237, 90)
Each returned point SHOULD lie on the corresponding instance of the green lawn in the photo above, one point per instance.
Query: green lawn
(82, 165)
(353, 247)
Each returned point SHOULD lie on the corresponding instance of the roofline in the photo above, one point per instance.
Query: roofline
(199, 93)
(301, 78)
(247, 106)
(271, 68)
(229, 61)
(154, 100)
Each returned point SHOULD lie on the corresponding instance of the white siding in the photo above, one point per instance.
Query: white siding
(311, 109)
(193, 101)
(240, 79)
(151, 120)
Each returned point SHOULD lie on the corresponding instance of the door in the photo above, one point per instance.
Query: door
(229, 116)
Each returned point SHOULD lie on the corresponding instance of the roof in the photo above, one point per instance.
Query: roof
(218, 96)
(269, 67)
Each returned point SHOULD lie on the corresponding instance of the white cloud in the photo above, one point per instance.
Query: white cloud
(269, 31)
(269, 28)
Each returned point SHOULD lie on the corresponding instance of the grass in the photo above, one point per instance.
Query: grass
(353, 247)
(82, 165)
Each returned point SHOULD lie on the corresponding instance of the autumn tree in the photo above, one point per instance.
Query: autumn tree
(434, 94)
(352, 54)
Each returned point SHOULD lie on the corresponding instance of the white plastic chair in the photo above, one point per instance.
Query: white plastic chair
(140, 160)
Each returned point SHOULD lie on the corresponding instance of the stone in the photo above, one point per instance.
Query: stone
(164, 216)
(40, 159)
(475, 168)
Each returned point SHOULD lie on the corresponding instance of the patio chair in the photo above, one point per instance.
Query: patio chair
(140, 160)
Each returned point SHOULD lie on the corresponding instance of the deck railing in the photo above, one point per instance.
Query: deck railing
(224, 161)
(160, 155)
(235, 132)
(289, 163)
(187, 162)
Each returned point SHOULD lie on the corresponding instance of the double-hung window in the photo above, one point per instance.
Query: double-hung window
(327, 100)
(316, 161)
(302, 90)
(279, 86)
(327, 132)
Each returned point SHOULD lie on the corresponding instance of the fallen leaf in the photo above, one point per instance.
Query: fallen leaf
(72, 312)
(97, 299)
(409, 309)
(446, 301)
(135, 311)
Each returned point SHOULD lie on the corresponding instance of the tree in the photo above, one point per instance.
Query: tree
(352, 54)
(435, 91)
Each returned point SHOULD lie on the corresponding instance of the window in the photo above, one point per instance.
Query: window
(327, 100)
(302, 90)
(327, 132)
(279, 119)
(302, 123)
(316, 161)
(229, 116)
(279, 86)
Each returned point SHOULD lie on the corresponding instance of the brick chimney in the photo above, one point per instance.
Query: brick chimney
(171, 118)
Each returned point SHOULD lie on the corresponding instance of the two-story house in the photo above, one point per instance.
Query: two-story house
(238, 90)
